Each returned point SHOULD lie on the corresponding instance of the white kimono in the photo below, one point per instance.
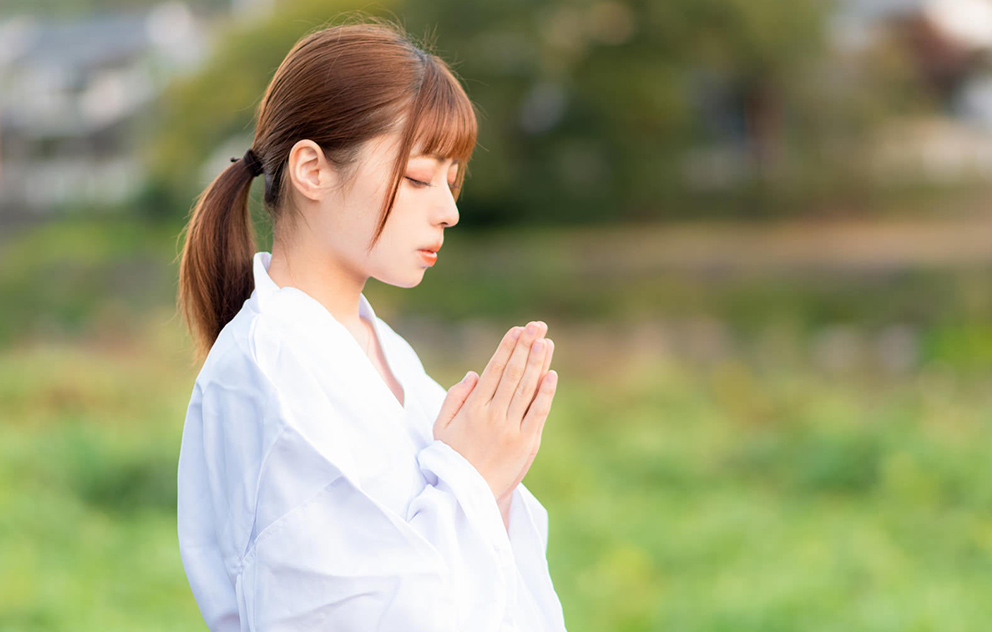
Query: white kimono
(310, 499)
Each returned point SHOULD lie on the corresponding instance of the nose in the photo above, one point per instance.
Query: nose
(447, 210)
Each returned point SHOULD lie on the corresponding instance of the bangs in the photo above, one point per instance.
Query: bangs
(440, 121)
(445, 123)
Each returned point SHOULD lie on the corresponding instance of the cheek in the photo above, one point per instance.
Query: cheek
(362, 216)
(403, 217)
(396, 238)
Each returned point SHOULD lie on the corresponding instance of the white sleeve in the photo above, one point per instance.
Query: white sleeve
(527, 531)
(342, 561)
(324, 555)
(534, 523)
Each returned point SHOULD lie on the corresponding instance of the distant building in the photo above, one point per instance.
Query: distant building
(72, 98)
(949, 43)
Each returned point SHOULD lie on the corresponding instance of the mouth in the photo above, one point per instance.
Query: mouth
(428, 256)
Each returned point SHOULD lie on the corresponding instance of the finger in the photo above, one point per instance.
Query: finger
(516, 365)
(538, 412)
(494, 370)
(464, 388)
(524, 393)
(455, 398)
(549, 351)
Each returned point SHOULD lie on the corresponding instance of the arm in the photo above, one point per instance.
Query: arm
(317, 551)
(342, 561)
(525, 521)
(523, 518)
(433, 394)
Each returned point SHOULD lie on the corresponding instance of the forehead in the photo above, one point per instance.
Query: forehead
(384, 147)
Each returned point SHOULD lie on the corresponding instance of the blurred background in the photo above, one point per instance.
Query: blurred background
(759, 230)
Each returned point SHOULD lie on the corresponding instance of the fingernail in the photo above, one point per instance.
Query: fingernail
(515, 333)
(532, 328)
(467, 375)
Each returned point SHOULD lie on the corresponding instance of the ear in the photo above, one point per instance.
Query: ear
(309, 171)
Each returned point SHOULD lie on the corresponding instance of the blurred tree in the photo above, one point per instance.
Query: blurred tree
(199, 114)
(590, 110)
(85, 8)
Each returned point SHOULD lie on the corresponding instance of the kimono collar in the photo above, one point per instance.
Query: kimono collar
(309, 317)
(267, 292)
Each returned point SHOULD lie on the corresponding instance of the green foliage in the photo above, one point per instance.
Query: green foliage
(847, 508)
(88, 450)
(86, 8)
(840, 505)
(103, 274)
(199, 113)
(587, 110)
(735, 493)
(65, 277)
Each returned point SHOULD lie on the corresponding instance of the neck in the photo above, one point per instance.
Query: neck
(321, 276)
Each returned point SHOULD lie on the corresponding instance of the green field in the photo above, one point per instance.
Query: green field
(765, 473)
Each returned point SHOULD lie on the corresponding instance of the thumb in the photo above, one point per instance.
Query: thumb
(457, 395)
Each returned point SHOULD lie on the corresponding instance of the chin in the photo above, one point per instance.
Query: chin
(405, 281)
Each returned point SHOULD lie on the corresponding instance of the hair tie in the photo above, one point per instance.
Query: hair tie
(252, 162)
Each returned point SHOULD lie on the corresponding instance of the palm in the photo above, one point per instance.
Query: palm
(549, 351)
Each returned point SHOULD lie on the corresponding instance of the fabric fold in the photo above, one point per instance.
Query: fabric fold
(309, 498)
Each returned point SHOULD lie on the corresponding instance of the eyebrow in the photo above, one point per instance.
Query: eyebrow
(436, 157)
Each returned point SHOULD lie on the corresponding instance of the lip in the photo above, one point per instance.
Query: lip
(428, 256)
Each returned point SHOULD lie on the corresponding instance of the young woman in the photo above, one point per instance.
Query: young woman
(326, 482)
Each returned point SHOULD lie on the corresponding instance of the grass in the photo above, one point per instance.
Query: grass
(729, 490)
(838, 507)
(88, 456)
(680, 498)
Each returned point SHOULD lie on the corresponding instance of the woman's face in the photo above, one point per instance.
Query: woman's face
(346, 217)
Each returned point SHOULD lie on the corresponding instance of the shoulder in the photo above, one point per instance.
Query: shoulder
(258, 370)
(231, 362)
(262, 349)
(252, 377)
(259, 388)
(234, 402)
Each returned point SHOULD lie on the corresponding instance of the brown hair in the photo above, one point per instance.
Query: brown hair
(339, 87)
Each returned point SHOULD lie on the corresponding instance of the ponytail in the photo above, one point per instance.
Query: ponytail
(215, 272)
(339, 86)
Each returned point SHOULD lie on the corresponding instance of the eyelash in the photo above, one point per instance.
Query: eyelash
(426, 184)
(418, 182)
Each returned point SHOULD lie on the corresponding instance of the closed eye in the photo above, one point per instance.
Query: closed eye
(453, 186)
(418, 182)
